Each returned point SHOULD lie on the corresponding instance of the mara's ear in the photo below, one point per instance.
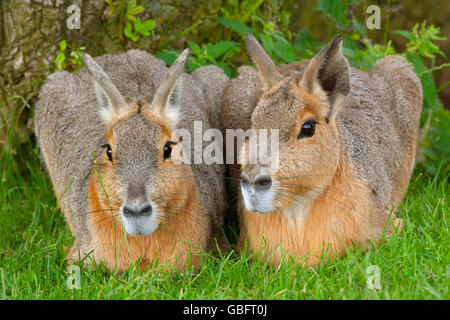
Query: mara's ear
(267, 70)
(109, 98)
(328, 77)
(167, 99)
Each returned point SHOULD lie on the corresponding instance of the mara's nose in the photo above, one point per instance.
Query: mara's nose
(259, 182)
(137, 210)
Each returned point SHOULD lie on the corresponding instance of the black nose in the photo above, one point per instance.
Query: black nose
(136, 211)
(260, 182)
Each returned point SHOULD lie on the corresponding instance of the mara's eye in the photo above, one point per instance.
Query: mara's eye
(308, 129)
(168, 149)
(108, 152)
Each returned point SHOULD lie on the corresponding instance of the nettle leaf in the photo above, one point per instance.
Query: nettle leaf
(220, 48)
(421, 41)
(235, 25)
(430, 94)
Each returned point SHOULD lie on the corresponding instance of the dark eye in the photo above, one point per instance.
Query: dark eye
(308, 129)
(109, 153)
(168, 149)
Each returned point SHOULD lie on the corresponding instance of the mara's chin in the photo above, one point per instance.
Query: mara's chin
(260, 208)
(139, 228)
(136, 233)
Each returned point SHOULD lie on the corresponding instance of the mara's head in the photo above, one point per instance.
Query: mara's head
(303, 107)
(136, 179)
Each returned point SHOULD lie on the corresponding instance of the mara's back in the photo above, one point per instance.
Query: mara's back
(70, 130)
(379, 120)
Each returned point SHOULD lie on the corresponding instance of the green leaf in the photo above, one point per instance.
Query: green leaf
(220, 48)
(359, 28)
(60, 58)
(194, 47)
(403, 33)
(63, 45)
(267, 43)
(284, 49)
(144, 27)
(430, 95)
(235, 25)
(305, 45)
(133, 9)
(335, 10)
(128, 32)
(167, 56)
(421, 41)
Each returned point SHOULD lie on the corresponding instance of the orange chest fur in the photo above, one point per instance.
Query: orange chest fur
(331, 222)
(174, 241)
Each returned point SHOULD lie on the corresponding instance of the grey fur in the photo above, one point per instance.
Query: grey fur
(378, 121)
(69, 129)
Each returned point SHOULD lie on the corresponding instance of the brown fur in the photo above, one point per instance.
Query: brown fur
(338, 187)
(130, 104)
(175, 241)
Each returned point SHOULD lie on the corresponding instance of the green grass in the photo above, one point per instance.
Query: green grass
(33, 235)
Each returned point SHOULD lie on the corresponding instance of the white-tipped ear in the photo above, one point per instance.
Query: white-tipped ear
(106, 109)
(328, 77)
(172, 110)
(167, 99)
(108, 96)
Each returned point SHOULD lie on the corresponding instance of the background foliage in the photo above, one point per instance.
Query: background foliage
(33, 238)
